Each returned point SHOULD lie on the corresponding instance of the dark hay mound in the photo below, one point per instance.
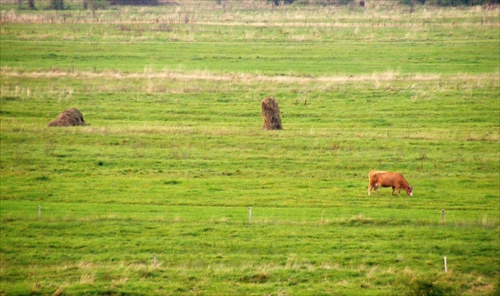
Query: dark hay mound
(271, 114)
(70, 117)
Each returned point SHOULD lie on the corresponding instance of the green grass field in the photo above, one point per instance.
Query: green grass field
(174, 153)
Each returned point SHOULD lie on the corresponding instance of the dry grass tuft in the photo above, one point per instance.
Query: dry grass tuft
(271, 114)
(87, 279)
(70, 117)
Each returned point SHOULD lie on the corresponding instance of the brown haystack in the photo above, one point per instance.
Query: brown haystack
(70, 117)
(271, 114)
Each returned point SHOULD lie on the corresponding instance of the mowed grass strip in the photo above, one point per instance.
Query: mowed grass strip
(269, 58)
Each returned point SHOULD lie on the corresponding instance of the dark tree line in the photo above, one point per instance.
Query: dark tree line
(134, 2)
(59, 4)
(278, 2)
(93, 4)
(451, 2)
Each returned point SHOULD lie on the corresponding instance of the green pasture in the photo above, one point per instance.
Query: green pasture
(173, 153)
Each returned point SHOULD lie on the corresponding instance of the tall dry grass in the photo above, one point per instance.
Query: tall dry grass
(205, 75)
(260, 13)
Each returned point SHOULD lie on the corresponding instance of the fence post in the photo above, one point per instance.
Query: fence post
(249, 214)
(443, 214)
(39, 212)
(445, 265)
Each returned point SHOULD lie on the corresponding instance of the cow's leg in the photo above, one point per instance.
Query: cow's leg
(376, 188)
(371, 187)
(396, 188)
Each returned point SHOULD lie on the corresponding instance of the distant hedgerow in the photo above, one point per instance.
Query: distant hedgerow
(278, 2)
(135, 2)
(451, 2)
(56, 5)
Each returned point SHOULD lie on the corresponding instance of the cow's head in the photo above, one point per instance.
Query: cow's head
(409, 190)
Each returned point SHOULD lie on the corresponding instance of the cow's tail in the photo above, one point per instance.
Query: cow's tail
(370, 182)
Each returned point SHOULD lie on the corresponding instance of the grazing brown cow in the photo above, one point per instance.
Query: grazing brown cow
(388, 179)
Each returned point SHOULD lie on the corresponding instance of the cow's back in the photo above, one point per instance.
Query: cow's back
(383, 178)
(375, 175)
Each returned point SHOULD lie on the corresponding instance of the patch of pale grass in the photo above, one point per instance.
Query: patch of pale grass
(137, 266)
(409, 273)
(371, 272)
(474, 136)
(222, 220)
(481, 287)
(342, 283)
(120, 282)
(300, 38)
(85, 265)
(329, 266)
(60, 289)
(87, 279)
(489, 222)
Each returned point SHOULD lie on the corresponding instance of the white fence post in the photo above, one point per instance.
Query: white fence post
(249, 214)
(445, 265)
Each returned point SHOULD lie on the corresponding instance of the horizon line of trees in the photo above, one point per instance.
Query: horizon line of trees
(102, 4)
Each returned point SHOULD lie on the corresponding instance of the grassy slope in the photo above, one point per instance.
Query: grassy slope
(174, 154)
